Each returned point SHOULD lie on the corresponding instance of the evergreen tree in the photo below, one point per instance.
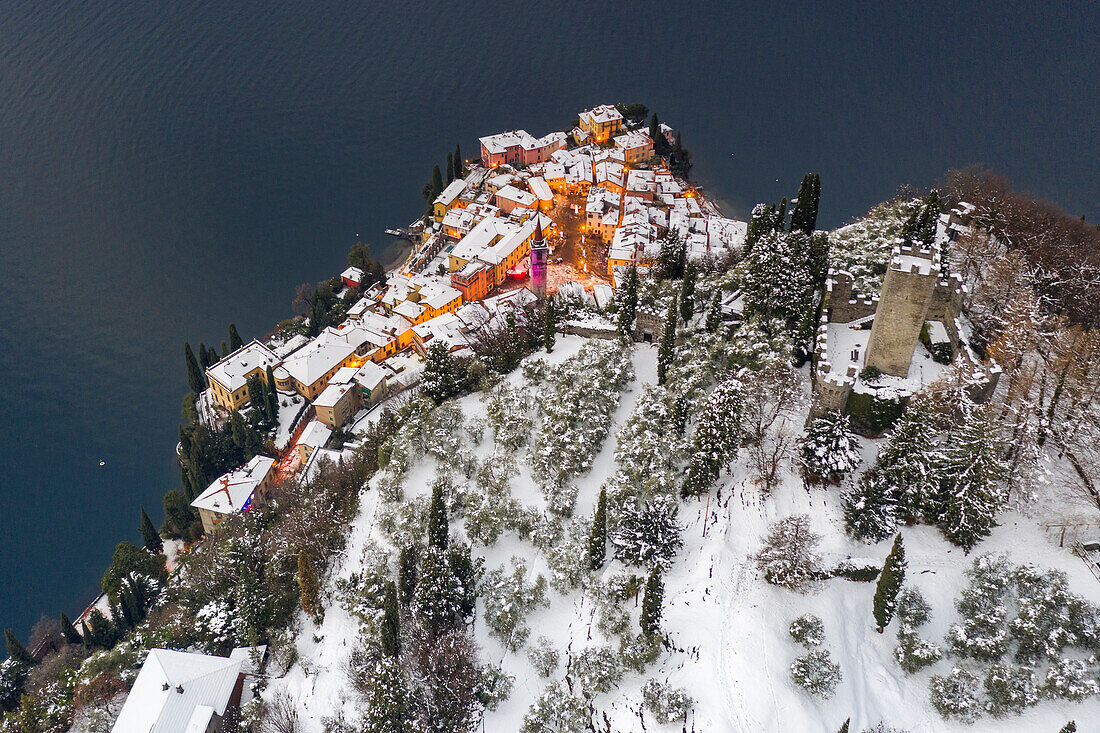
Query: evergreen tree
(439, 379)
(86, 635)
(717, 437)
(408, 561)
(651, 604)
(225, 350)
(804, 216)
(235, 340)
(271, 401)
(548, 326)
(437, 183)
(597, 539)
(17, 652)
(388, 704)
(776, 277)
(760, 223)
(687, 294)
(459, 165)
(149, 534)
(970, 492)
(1070, 727)
(391, 622)
(829, 448)
(311, 589)
(668, 342)
(779, 216)
(100, 630)
(437, 518)
(844, 728)
(178, 514)
(196, 379)
(672, 258)
(437, 602)
(72, 636)
(714, 312)
(450, 168)
(889, 583)
(629, 305)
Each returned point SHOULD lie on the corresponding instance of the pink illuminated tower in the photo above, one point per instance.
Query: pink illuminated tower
(540, 255)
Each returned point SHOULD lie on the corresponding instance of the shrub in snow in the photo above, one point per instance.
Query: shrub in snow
(648, 534)
(361, 594)
(595, 670)
(808, 631)
(829, 448)
(506, 413)
(494, 687)
(912, 652)
(983, 634)
(1009, 689)
(568, 560)
(648, 446)
(817, 673)
(1049, 617)
(509, 597)
(561, 499)
(859, 571)
(789, 556)
(667, 703)
(870, 511)
(544, 657)
(1071, 679)
(638, 652)
(404, 522)
(955, 695)
(557, 710)
(577, 400)
(217, 626)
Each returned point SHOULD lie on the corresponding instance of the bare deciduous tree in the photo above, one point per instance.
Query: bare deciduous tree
(773, 398)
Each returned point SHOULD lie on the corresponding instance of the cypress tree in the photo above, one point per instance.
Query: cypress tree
(437, 519)
(407, 562)
(459, 166)
(760, 223)
(149, 534)
(86, 635)
(203, 356)
(1070, 727)
(687, 294)
(195, 377)
(668, 339)
(307, 581)
(804, 216)
(17, 652)
(391, 622)
(889, 583)
(779, 216)
(714, 313)
(628, 308)
(72, 636)
(597, 540)
(272, 397)
(548, 326)
(123, 611)
(844, 728)
(235, 340)
(450, 167)
(437, 183)
(651, 605)
(386, 708)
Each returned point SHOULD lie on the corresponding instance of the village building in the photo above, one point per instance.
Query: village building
(313, 437)
(601, 123)
(229, 377)
(352, 277)
(371, 379)
(237, 491)
(337, 403)
(187, 692)
(510, 197)
(518, 148)
(637, 147)
(448, 199)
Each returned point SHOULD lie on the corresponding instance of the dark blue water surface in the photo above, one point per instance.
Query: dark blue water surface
(169, 167)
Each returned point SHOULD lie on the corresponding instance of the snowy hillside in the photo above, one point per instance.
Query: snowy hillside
(726, 629)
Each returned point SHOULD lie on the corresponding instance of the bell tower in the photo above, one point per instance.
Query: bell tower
(540, 256)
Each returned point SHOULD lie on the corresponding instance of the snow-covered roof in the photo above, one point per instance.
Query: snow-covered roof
(601, 113)
(315, 435)
(176, 691)
(331, 395)
(370, 375)
(540, 188)
(603, 294)
(352, 273)
(633, 139)
(521, 198)
(232, 371)
(451, 193)
(230, 493)
(332, 346)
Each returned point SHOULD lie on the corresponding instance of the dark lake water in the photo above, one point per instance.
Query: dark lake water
(166, 168)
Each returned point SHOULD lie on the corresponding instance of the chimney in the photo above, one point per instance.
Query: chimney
(179, 689)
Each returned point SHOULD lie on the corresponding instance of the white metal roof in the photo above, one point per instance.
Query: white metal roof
(232, 371)
(229, 493)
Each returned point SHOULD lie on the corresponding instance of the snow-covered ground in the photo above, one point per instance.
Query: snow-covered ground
(730, 646)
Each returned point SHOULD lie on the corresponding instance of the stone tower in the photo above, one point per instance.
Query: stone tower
(540, 255)
(903, 307)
